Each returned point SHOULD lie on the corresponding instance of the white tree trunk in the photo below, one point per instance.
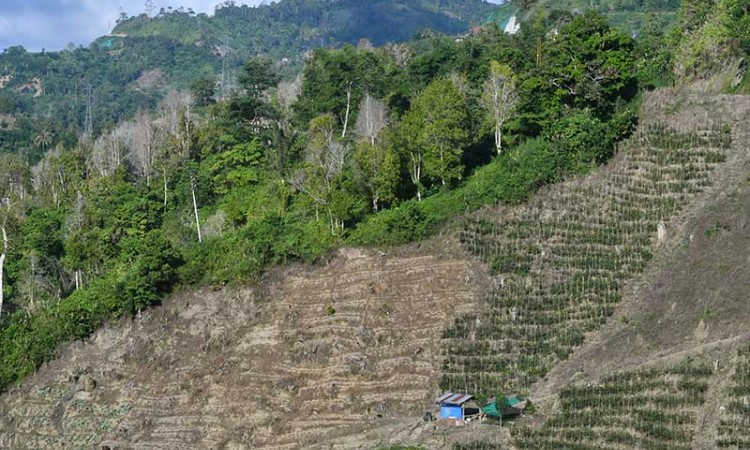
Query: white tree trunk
(195, 209)
(2, 263)
(165, 188)
(348, 108)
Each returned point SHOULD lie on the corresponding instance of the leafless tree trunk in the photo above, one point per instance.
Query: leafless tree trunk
(108, 151)
(2, 264)
(164, 172)
(348, 108)
(372, 118)
(499, 98)
(144, 141)
(176, 114)
(416, 171)
(78, 226)
(195, 209)
(286, 94)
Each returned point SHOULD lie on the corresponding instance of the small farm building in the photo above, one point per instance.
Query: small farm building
(506, 406)
(452, 405)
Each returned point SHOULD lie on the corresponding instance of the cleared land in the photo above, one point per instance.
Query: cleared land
(618, 302)
(311, 354)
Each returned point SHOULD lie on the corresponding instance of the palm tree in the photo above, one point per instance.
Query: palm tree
(43, 139)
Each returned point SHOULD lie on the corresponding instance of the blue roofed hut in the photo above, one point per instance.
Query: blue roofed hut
(453, 406)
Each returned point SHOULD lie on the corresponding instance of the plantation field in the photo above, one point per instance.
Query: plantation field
(560, 262)
(734, 425)
(646, 409)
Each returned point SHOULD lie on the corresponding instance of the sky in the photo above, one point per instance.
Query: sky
(53, 24)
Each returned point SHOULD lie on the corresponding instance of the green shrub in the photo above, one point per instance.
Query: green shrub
(511, 178)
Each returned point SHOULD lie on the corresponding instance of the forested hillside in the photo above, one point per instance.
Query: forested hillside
(141, 175)
(288, 27)
(369, 146)
(56, 96)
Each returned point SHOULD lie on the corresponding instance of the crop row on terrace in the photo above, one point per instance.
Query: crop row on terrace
(647, 409)
(560, 261)
(734, 425)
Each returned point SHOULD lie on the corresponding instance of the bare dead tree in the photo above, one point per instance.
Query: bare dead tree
(372, 118)
(195, 208)
(75, 226)
(176, 111)
(286, 94)
(108, 150)
(401, 54)
(325, 159)
(345, 120)
(145, 139)
(2, 265)
(499, 99)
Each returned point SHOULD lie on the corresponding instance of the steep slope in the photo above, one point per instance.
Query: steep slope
(561, 261)
(313, 353)
(691, 306)
(618, 302)
(695, 290)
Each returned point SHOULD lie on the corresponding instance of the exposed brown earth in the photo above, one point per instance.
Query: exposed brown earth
(309, 356)
(347, 353)
(34, 87)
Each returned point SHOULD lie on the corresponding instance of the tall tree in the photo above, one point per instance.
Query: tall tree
(499, 99)
(251, 107)
(284, 97)
(203, 90)
(436, 133)
(377, 163)
(108, 151)
(372, 118)
(14, 181)
(324, 161)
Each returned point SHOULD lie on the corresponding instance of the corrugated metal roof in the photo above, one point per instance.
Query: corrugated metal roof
(450, 398)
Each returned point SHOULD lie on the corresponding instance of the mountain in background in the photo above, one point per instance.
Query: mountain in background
(290, 26)
(54, 96)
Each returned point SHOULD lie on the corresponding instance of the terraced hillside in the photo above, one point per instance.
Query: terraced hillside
(734, 425)
(616, 299)
(690, 304)
(561, 261)
(653, 408)
(310, 355)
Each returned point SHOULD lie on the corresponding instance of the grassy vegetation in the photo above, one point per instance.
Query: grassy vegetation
(734, 426)
(510, 179)
(561, 261)
(650, 409)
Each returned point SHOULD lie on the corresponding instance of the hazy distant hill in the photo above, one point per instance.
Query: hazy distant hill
(145, 56)
(286, 27)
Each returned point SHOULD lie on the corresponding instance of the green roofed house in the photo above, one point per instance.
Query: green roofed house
(506, 406)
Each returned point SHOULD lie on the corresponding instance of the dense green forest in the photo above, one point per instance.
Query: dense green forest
(57, 96)
(286, 28)
(368, 146)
